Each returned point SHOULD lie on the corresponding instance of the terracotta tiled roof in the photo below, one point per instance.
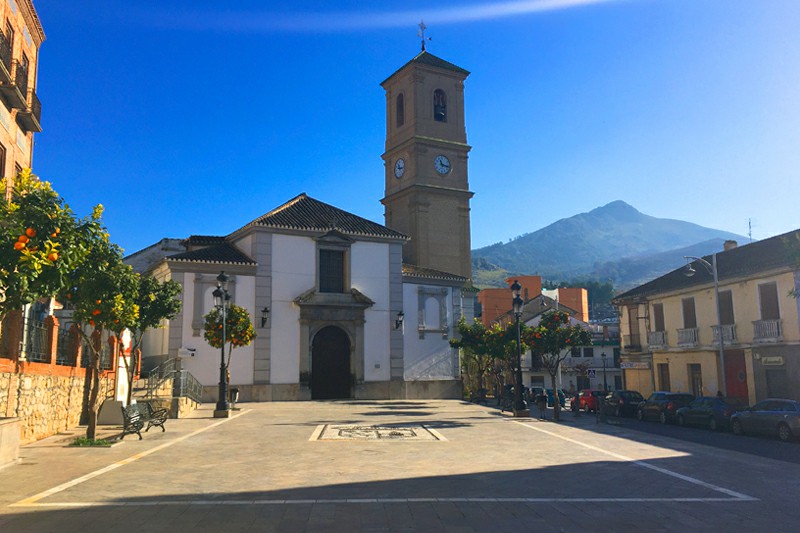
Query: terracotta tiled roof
(414, 271)
(306, 213)
(221, 253)
(426, 58)
(781, 251)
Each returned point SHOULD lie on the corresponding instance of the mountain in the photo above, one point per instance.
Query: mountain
(614, 241)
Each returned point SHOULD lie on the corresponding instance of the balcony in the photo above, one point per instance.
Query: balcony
(657, 338)
(728, 334)
(30, 118)
(632, 343)
(5, 59)
(15, 91)
(688, 337)
(767, 331)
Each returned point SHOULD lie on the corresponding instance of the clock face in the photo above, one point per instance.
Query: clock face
(441, 164)
(399, 168)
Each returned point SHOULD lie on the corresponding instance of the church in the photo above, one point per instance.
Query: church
(343, 307)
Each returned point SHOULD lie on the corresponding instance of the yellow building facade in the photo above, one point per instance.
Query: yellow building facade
(670, 326)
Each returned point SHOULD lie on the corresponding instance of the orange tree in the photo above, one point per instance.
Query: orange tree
(157, 301)
(41, 241)
(102, 295)
(238, 329)
(551, 341)
(490, 350)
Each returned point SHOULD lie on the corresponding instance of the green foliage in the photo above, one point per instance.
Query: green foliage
(157, 301)
(84, 441)
(553, 338)
(239, 329)
(41, 241)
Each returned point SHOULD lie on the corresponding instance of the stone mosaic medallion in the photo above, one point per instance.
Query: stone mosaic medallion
(413, 432)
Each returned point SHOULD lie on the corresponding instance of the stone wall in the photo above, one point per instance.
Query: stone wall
(45, 404)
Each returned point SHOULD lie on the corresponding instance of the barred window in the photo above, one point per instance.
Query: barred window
(331, 271)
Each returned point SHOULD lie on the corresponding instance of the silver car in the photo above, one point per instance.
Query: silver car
(769, 417)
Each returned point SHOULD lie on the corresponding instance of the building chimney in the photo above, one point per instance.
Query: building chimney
(729, 245)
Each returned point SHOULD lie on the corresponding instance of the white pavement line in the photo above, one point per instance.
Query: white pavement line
(350, 501)
(435, 433)
(689, 479)
(317, 432)
(32, 500)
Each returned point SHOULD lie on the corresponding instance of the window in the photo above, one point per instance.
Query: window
(726, 308)
(689, 317)
(588, 352)
(575, 352)
(658, 317)
(400, 110)
(2, 161)
(439, 106)
(331, 270)
(768, 300)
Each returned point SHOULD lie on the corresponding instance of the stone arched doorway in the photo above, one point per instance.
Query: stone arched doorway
(330, 365)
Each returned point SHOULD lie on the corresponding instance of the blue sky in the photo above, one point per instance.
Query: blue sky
(195, 117)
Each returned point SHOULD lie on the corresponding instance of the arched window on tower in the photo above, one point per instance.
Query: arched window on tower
(400, 110)
(439, 106)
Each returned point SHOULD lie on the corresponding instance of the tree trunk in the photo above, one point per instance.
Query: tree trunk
(556, 400)
(94, 392)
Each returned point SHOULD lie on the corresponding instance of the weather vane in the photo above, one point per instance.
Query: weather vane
(421, 33)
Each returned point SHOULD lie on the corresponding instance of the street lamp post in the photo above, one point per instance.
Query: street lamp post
(221, 302)
(517, 303)
(605, 383)
(712, 269)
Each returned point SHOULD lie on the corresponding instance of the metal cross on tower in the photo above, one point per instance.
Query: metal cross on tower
(421, 33)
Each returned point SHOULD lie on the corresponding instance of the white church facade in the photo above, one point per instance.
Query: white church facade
(343, 307)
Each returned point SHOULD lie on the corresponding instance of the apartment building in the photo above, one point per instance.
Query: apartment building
(671, 326)
(21, 35)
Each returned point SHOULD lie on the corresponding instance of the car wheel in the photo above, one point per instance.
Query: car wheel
(640, 415)
(712, 424)
(681, 420)
(618, 412)
(662, 417)
(784, 433)
(736, 428)
(586, 408)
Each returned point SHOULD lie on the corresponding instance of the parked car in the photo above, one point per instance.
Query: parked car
(662, 406)
(561, 398)
(622, 402)
(769, 417)
(709, 411)
(588, 400)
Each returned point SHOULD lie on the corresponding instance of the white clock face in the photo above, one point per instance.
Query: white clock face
(399, 168)
(441, 164)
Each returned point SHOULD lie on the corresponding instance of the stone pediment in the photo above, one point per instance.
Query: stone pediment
(351, 299)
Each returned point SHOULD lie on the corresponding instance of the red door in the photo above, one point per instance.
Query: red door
(735, 374)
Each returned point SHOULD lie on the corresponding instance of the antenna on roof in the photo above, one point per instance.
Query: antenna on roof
(421, 33)
(750, 229)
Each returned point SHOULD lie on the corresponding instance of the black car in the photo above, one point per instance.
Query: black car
(710, 411)
(622, 403)
(662, 406)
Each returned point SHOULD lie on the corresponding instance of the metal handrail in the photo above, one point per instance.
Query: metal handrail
(189, 387)
(159, 375)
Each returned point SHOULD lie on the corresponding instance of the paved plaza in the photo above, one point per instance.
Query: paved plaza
(394, 466)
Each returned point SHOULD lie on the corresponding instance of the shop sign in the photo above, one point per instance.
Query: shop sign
(633, 364)
(772, 360)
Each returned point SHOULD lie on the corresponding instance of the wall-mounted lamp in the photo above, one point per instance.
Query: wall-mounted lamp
(398, 323)
(264, 316)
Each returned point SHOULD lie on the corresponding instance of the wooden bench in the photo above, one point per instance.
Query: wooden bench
(136, 415)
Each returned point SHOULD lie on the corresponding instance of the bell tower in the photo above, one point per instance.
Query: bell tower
(426, 190)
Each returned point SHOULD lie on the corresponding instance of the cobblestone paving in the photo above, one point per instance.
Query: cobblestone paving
(266, 469)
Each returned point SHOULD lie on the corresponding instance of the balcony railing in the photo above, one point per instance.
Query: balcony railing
(688, 337)
(632, 343)
(657, 338)
(30, 118)
(21, 77)
(728, 334)
(767, 330)
(15, 93)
